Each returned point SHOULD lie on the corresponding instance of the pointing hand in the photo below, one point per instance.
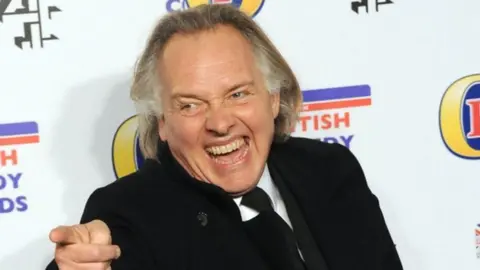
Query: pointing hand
(84, 246)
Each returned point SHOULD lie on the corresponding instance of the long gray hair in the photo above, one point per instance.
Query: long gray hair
(146, 88)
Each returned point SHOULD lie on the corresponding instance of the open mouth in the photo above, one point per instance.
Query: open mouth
(231, 153)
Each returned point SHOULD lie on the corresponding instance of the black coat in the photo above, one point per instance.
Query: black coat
(163, 219)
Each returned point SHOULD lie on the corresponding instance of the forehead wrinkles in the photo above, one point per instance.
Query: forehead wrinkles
(220, 72)
(210, 78)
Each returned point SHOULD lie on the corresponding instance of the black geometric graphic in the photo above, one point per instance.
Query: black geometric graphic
(27, 26)
(377, 3)
(356, 5)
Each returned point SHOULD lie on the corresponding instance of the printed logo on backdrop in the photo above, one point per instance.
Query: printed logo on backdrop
(13, 137)
(323, 110)
(477, 240)
(460, 117)
(33, 15)
(126, 154)
(250, 7)
(329, 110)
(363, 4)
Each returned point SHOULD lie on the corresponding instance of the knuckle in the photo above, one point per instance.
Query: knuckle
(101, 226)
(81, 232)
(100, 237)
(99, 232)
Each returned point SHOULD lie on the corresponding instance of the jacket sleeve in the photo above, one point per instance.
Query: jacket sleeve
(134, 253)
(356, 211)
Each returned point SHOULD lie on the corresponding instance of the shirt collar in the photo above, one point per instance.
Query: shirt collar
(267, 185)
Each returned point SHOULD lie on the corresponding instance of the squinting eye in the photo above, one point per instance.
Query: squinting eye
(238, 94)
(188, 106)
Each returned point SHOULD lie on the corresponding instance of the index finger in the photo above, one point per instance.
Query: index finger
(65, 235)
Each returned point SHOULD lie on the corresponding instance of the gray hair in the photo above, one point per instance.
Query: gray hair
(146, 88)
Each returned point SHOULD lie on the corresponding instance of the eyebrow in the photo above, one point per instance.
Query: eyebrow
(231, 89)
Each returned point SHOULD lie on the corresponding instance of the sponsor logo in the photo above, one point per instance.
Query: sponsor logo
(356, 5)
(250, 7)
(126, 154)
(460, 117)
(477, 240)
(328, 109)
(33, 14)
(13, 136)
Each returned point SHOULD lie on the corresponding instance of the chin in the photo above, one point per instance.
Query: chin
(237, 188)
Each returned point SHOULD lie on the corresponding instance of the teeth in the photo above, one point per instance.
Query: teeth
(225, 149)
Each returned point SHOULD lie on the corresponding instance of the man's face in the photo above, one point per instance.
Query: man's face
(218, 115)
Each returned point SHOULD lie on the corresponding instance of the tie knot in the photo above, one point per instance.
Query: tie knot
(257, 199)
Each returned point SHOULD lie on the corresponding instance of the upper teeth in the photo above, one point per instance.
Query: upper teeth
(224, 149)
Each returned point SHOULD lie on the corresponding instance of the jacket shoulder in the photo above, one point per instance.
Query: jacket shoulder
(333, 163)
(138, 190)
(317, 150)
(151, 175)
(124, 185)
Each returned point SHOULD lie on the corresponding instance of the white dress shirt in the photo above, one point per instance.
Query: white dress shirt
(269, 187)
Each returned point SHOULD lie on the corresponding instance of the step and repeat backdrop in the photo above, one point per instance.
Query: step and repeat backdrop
(398, 82)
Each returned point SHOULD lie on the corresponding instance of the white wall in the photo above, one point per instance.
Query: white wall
(407, 54)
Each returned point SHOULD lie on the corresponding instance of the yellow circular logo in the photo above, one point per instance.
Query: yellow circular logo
(126, 155)
(250, 7)
(460, 117)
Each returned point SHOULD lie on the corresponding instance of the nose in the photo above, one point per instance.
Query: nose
(219, 121)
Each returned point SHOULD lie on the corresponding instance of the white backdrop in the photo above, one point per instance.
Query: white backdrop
(75, 90)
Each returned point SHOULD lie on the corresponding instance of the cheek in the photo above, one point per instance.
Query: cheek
(257, 117)
(184, 132)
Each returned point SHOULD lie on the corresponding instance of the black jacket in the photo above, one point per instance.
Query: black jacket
(163, 219)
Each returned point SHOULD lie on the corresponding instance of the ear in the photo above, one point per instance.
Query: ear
(161, 128)
(275, 103)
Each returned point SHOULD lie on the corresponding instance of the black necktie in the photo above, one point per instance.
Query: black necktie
(271, 234)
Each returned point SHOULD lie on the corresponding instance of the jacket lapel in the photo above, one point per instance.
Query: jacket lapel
(284, 176)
